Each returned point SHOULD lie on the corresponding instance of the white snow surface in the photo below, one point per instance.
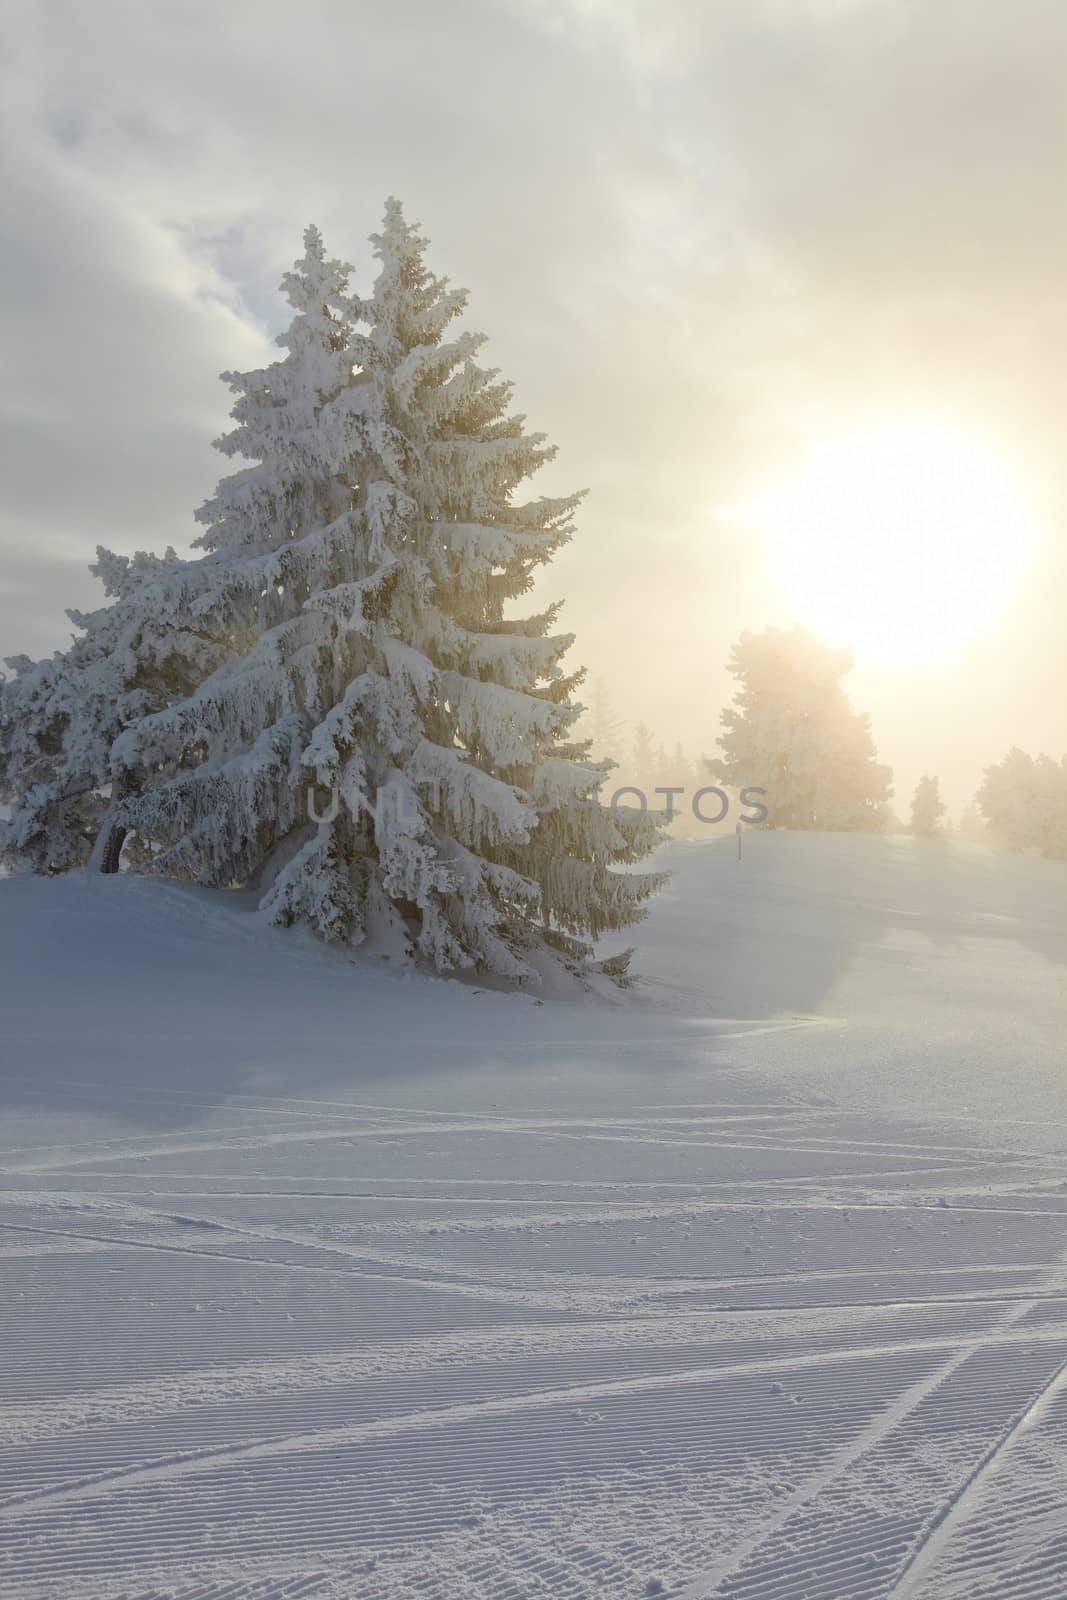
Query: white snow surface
(322, 1280)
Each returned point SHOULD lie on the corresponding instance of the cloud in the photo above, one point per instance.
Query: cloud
(697, 236)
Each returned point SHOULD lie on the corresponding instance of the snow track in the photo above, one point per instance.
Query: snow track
(513, 1303)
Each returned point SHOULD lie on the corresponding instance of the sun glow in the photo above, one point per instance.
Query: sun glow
(908, 541)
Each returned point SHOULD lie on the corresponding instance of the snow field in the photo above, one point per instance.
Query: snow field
(324, 1282)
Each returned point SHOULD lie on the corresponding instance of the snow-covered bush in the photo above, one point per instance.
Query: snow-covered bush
(59, 717)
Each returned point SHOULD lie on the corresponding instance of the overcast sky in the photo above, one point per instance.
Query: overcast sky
(700, 236)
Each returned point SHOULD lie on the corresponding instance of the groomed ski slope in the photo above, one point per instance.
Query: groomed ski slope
(324, 1281)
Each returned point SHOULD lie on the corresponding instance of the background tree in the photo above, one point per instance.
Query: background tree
(792, 732)
(605, 729)
(1023, 799)
(927, 809)
(680, 770)
(971, 829)
(643, 759)
(59, 717)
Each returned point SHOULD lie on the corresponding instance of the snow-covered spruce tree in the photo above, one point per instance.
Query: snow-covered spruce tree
(60, 716)
(927, 809)
(386, 671)
(971, 829)
(55, 806)
(681, 775)
(1023, 799)
(173, 622)
(792, 733)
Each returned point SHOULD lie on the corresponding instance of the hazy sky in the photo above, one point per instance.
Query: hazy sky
(700, 237)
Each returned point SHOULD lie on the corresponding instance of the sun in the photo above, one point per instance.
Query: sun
(907, 541)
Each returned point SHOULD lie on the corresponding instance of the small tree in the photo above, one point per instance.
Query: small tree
(604, 727)
(927, 809)
(792, 733)
(361, 569)
(680, 771)
(60, 717)
(643, 759)
(971, 829)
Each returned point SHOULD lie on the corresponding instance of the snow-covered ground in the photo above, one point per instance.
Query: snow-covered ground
(320, 1280)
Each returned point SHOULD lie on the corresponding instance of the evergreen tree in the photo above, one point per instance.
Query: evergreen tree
(971, 829)
(359, 571)
(792, 733)
(605, 729)
(50, 771)
(643, 759)
(1023, 800)
(927, 809)
(173, 623)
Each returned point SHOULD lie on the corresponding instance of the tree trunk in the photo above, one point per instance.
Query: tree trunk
(112, 838)
(107, 851)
